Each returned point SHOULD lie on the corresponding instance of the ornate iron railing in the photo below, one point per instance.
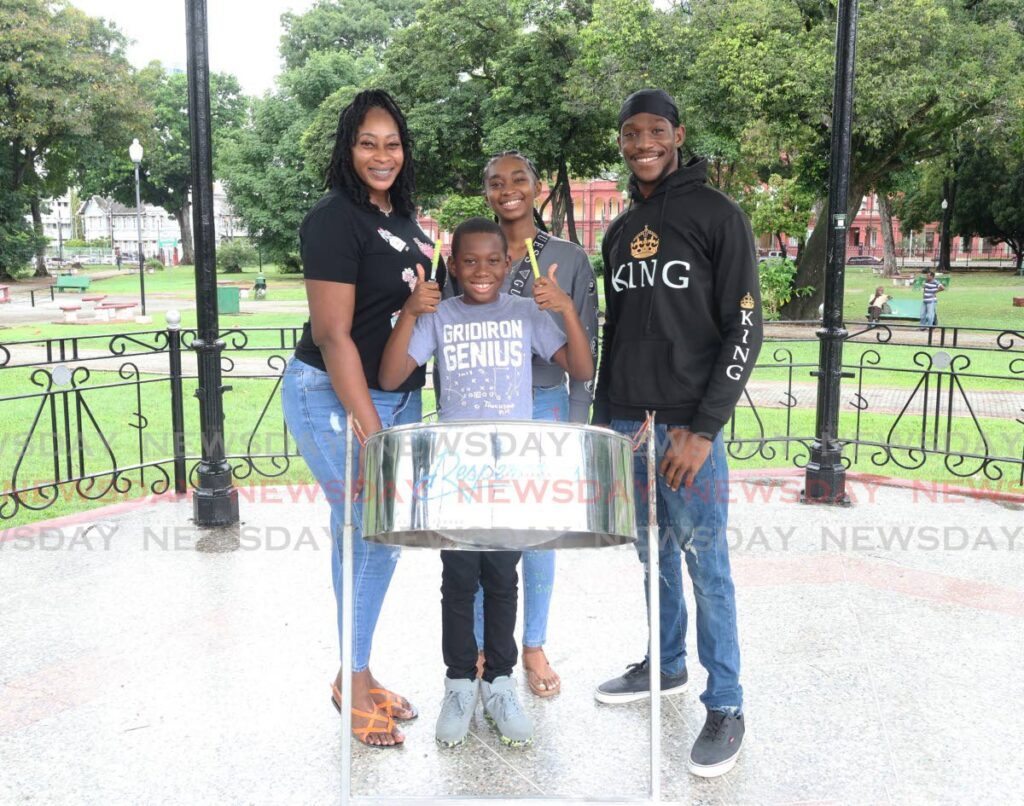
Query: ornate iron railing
(102, 417)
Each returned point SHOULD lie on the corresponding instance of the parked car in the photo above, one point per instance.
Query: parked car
(863, 260)
(769, 255)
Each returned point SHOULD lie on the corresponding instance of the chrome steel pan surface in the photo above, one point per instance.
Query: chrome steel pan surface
(510, 485)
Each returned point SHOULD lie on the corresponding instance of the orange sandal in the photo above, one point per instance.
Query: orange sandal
(535, 680)
(372, 719)
(388, 702)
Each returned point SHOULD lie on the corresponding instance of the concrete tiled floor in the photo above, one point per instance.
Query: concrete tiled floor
(134, 672)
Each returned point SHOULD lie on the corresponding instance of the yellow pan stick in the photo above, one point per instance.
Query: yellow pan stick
(435, 260)
(533, 258)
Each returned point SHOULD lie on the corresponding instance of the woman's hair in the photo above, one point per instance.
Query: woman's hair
(538, 220)
(341, 173)
(477, 226)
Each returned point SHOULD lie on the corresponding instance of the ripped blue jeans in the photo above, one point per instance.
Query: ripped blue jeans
(317, 421)
(692, 522)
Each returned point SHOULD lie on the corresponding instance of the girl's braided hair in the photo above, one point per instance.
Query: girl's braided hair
(538, 220)
(341, 173)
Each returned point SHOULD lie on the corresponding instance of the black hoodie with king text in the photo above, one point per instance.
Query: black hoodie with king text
(683, 307)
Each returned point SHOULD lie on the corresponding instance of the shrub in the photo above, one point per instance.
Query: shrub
(291, 264)
(777, 286)
(597, 264)
(455, 209)
(153, 264)
(234, 255)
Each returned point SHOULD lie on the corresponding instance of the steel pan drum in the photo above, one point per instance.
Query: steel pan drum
(511, 485)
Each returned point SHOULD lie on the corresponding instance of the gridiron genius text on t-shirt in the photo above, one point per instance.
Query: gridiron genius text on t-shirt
(470, 345)
(484, 355)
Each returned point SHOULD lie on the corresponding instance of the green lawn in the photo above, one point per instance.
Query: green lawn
(973, 299)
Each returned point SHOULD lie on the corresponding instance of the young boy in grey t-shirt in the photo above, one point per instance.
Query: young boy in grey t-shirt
(484, 343)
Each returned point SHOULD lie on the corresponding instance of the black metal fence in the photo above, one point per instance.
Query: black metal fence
(108, 417)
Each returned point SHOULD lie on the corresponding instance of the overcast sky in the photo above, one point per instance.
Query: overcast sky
(244, 35)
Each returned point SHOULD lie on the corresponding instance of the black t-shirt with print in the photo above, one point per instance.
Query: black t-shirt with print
(342, 242)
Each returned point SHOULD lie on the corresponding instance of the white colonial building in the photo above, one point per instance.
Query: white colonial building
(103, 219)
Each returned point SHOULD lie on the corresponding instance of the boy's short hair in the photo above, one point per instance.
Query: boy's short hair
(477, 226)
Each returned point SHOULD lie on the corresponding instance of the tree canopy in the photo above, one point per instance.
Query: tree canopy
(166, 169)
(69, 92)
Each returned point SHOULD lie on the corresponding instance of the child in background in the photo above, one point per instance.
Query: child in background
(491, 382)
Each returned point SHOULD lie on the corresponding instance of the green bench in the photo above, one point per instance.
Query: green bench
(68, 283)
(945, 279)
(903, 309)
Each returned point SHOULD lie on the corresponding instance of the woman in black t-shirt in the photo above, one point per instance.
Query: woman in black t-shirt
(362, 253)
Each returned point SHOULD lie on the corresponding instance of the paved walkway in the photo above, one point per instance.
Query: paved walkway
(887, 400)
(881, 644)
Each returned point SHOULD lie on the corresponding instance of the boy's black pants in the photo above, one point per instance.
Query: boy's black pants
(463, 572)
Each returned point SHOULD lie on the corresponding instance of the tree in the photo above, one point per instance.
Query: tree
(753, 79)
(888, 239)
(18, 240)
(991, 188)
(273, 166)
(68, 93)
(780, 206)
(477, 77)
(349, 27)
(166, 170)
(925, 69)
(456, 209)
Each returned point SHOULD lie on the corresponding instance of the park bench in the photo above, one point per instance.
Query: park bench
(116, 309)
(71, 312)
(69, 283)
(92, 302)
(909, 309)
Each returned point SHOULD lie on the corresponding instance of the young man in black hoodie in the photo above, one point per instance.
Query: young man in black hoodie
(682, 332)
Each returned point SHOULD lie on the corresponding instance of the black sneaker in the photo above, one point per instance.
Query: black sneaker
(635, 684)
(718, 746)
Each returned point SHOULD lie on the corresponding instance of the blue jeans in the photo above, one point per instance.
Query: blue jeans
(692, 522)
(317, 421)
(552, 404)
(929, 315)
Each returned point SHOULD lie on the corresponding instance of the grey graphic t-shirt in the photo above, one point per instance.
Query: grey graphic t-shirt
(484, 355)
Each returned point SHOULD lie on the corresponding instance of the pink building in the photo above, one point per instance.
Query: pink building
(865, 238)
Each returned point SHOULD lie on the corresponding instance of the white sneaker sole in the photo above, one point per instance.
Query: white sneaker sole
(712, 770)
(619, 699)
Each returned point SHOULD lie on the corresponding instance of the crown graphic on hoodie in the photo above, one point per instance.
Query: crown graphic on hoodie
(645, 244)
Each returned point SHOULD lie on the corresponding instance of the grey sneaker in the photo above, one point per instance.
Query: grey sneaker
(716, 749)
(635, 684)
(456, 711)
(502, 709)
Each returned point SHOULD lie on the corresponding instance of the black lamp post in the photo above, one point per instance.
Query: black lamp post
(135, 152)
(825, 477)
(215, 501)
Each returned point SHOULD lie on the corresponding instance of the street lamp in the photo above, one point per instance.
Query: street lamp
(135, 152)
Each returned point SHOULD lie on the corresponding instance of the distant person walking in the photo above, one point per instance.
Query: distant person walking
(930, 301)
